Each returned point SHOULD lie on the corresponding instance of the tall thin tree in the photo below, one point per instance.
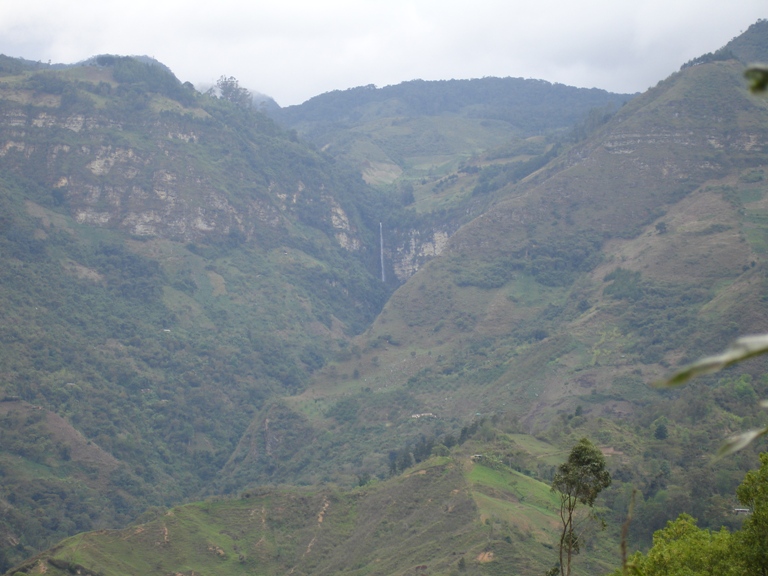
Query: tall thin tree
(578, 480)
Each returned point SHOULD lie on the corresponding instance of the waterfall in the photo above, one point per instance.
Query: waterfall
(381, 252)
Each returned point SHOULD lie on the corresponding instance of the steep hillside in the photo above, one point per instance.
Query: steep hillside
(441, 147)
(168, 261)
(192, 304)
(659, 211)
(632, 252)
(481, 504)
(447, 516)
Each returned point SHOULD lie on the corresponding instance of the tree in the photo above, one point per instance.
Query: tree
(230, 90)
(684, 549)
(579, 480)
(758, 77)
(753, 537)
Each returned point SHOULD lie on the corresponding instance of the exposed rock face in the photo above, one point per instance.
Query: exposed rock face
(628, 143)
(167, 175)
(420, 247)
(345, 235)
(170, 185)
(157, 187)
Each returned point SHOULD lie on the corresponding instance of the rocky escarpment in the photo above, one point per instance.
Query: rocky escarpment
(161, 175)
(416, 249)
(187, 169)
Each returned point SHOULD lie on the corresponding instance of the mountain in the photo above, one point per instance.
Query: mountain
(193, 305)
(419, 127)
(169, 262)
(441, 146)
(482, 506)
(447, 515)
(633, 251)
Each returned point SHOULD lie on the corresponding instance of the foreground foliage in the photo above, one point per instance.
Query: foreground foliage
(683, 549)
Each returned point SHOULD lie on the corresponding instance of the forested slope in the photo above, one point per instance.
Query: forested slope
(169, 262)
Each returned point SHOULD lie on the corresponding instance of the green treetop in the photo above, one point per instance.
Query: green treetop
(578, 480)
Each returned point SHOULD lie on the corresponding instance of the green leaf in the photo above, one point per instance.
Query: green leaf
(739, 441)
(745, 347)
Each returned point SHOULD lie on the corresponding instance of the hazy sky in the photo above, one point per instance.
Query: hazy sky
(295, 49)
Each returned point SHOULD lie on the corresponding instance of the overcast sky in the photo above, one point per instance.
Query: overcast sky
(295, 49)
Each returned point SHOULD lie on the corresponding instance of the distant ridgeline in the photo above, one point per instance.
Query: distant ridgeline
(444, 148)
(531, 106)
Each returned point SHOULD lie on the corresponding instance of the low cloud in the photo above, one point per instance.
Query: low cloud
(297, 49)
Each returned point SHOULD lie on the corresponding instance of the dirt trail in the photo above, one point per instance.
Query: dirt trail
(263, 523)
(320, 516)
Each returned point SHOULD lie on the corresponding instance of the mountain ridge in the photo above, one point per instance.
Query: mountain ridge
(532, 308)
(551, 279)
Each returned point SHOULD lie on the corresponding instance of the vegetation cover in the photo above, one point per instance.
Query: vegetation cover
(450, 515)
(193, 305)
(157, 287)
(684, 548)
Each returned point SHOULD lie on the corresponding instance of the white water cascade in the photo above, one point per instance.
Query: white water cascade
(381, 252)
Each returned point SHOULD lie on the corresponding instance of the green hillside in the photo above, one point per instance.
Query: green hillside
(440, 147)
(446, 516)
(170, 261)
(633, 251)
(192, 305)
(482, 507)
